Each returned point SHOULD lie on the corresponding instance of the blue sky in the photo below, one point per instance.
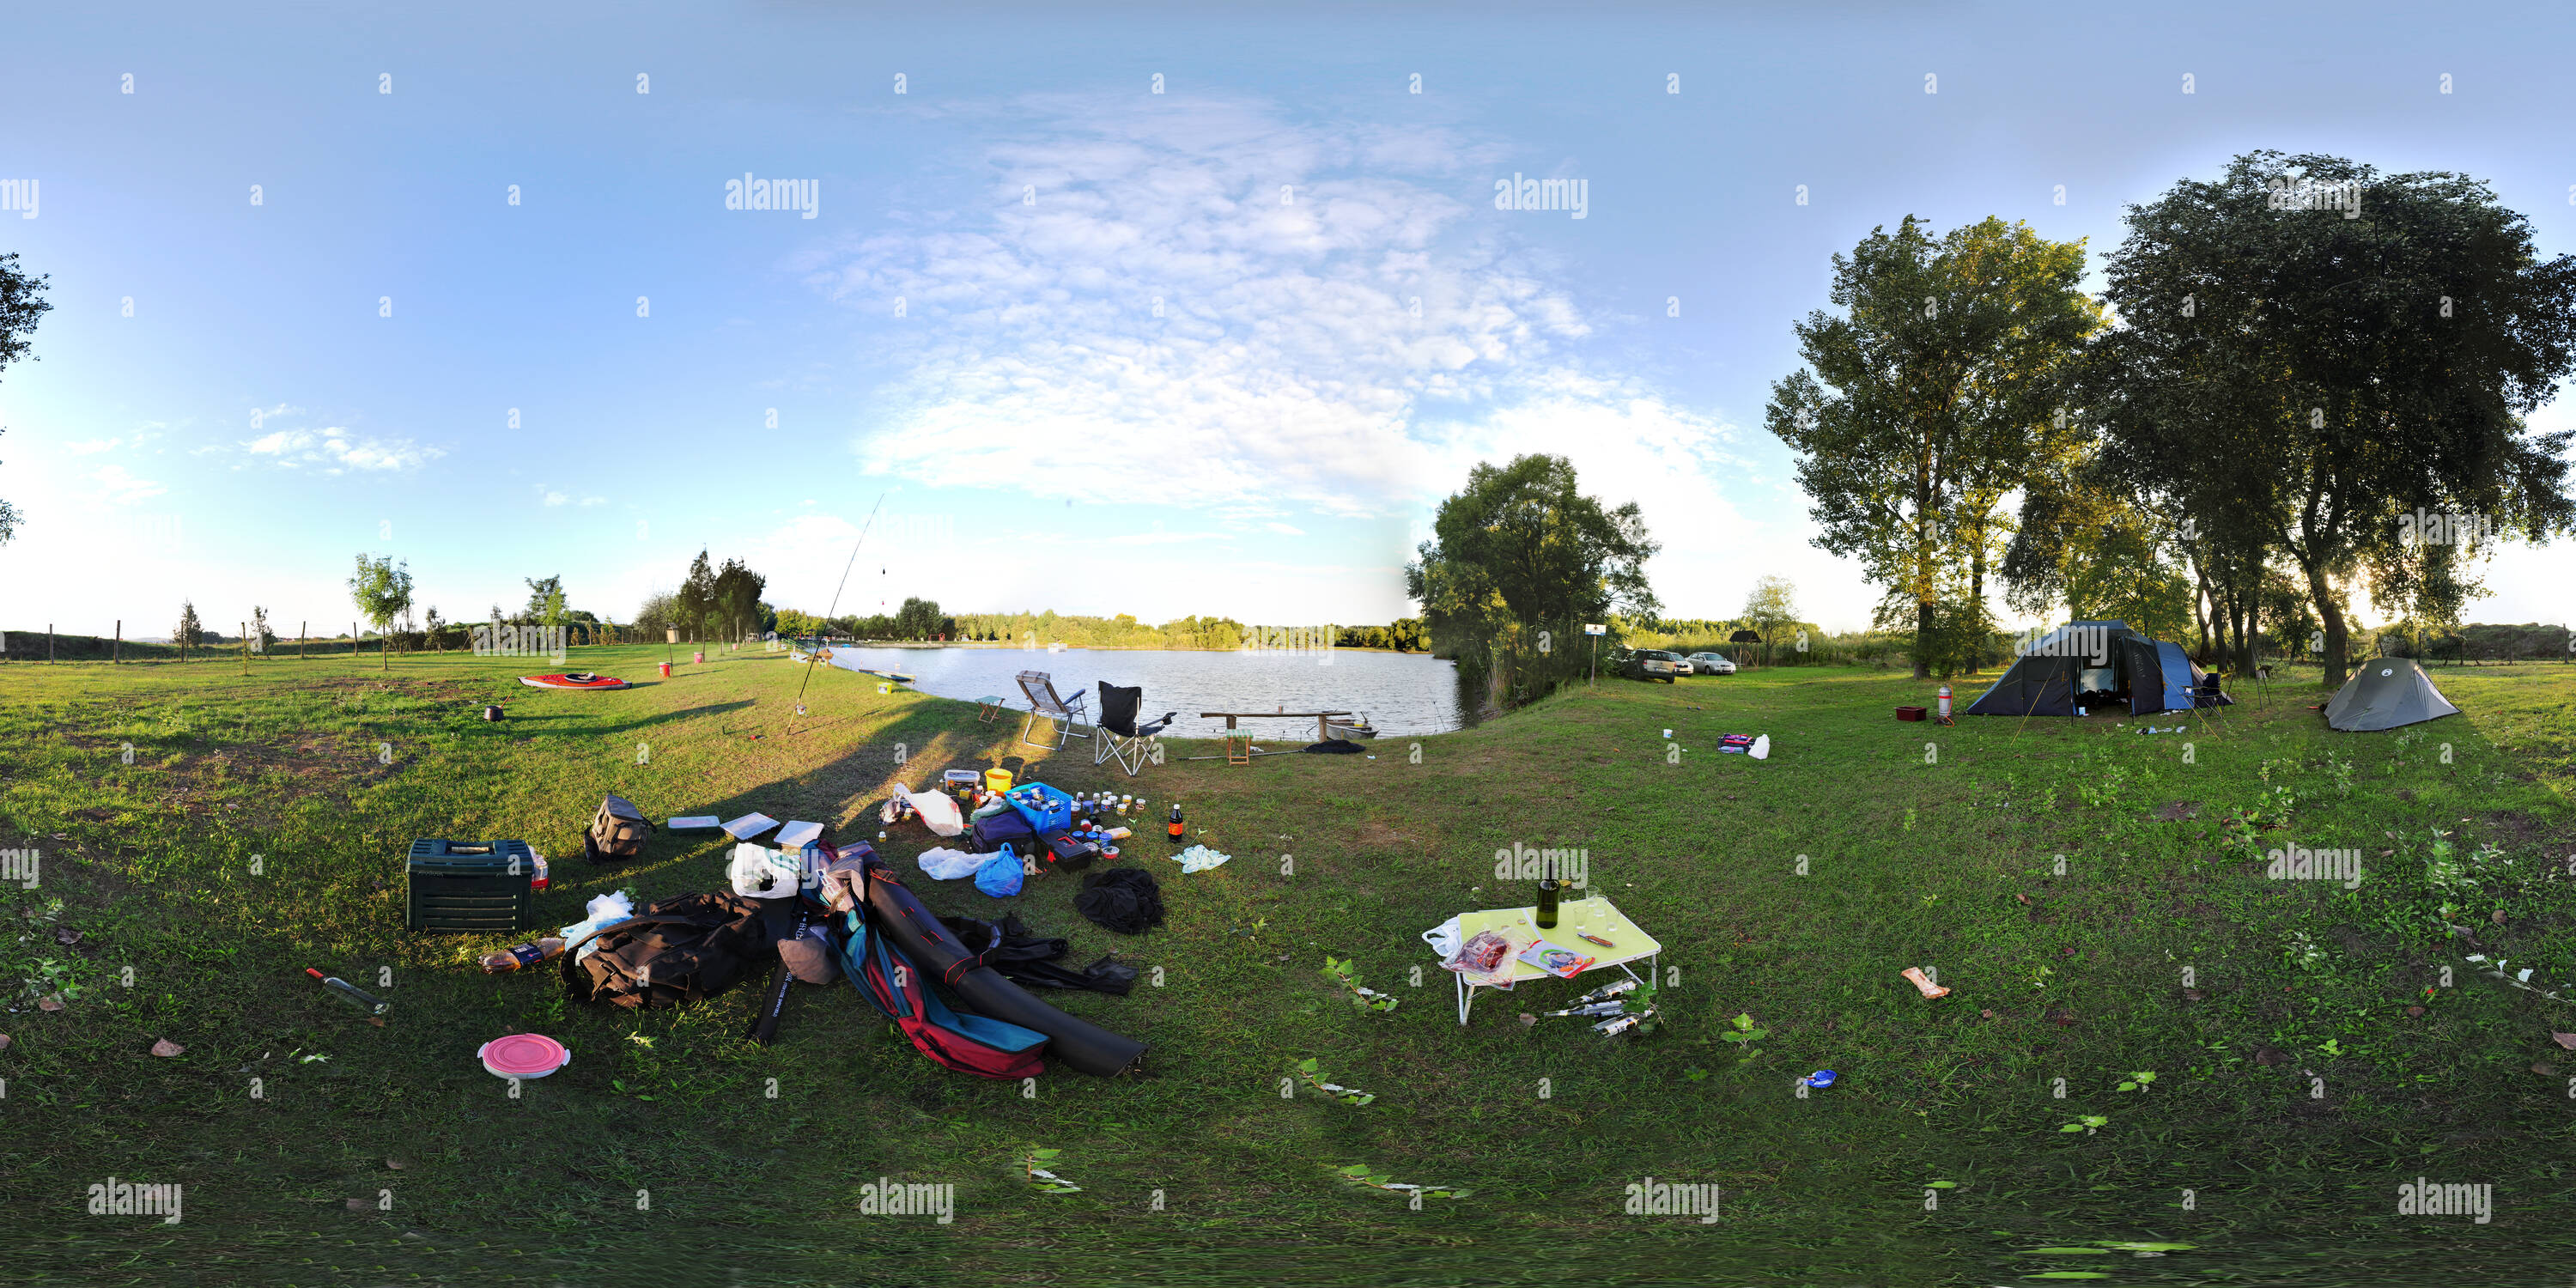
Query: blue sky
(1268, 445)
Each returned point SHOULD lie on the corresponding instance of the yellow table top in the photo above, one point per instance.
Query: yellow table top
(1593, 915)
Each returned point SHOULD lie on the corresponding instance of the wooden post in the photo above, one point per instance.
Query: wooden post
(353, 643)
(119, 654)
(300, 628)
(49, 641)
(245, 638)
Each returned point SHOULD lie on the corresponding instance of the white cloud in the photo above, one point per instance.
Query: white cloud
(338, 451)
(118, 487)
(1289, 366)
(93, 446)
(594, 500)
(1284, 528)
(556, 498)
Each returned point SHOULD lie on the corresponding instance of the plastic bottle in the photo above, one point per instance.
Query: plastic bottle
(523, 956)
(351, 993)
(1174, 829)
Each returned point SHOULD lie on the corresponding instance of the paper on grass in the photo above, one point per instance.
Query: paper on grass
(797, 836)
(749, 826)
(686, 821)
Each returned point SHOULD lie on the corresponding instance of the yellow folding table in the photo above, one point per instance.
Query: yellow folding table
(1574, 919)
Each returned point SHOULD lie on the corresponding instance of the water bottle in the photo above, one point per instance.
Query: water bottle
(351, 993)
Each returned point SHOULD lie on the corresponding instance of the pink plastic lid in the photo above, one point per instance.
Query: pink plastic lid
(524, 1055)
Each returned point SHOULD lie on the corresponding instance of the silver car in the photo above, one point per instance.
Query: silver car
(1710, 664)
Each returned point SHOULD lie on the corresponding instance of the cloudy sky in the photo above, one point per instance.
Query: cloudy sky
(330, 282)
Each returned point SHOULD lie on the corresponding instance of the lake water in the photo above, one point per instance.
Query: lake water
(1402, 693)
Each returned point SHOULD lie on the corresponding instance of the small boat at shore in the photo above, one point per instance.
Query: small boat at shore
(1360, 728)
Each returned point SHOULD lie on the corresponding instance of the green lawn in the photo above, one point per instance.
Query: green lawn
(2293, 1091)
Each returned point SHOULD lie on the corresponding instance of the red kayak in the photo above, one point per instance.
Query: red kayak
(576, 680)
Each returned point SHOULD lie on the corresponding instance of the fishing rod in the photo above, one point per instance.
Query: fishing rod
(817, 655)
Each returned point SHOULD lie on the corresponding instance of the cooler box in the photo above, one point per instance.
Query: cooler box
(1046, 809)
(470, 887)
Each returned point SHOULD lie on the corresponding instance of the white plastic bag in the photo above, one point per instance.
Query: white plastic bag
(944, 864)
(1443, 939)
(1761, 748)
(938, 809)
(759, 872)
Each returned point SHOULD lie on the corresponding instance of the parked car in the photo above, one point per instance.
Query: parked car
(1711, 664)
(1654, 664)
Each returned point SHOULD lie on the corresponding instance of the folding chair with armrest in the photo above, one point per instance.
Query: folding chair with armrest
(1039, 688)
(1121, 737)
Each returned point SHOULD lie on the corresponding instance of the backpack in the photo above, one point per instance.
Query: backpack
(618, 832)
(678, 950)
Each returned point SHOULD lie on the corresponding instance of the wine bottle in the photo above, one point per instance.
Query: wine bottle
(1547, 899)
(1614, 1006)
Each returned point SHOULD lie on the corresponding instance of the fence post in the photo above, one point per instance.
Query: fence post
(300, 628)
(49, 641)
(119, 654)
(245, 639)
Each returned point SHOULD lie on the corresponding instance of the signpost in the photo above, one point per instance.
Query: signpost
(1595, 630)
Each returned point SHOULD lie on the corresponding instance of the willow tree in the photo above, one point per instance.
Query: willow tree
(1929, 402)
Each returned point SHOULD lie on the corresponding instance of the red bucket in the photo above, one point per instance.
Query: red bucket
(699, 657)
(666, 669)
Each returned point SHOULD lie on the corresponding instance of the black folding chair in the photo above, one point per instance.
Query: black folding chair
(1121, 738)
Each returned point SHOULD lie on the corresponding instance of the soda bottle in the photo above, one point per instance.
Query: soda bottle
(351, 993)
(1174, 828)
(525, 955)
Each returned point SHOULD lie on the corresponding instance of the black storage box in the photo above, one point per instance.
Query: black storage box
(470, 887)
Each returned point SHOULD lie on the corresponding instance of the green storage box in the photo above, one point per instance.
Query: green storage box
(469, 887)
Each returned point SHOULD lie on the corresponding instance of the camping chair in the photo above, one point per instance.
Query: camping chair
(1121, 737)
(1039, 688)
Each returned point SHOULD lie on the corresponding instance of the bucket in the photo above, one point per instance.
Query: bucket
(699, 657)
(997, 780)
(666, 669)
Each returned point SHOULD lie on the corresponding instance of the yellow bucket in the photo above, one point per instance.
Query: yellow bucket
(997, 780)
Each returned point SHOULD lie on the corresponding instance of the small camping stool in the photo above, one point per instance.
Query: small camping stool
(1039, 688)
(992, 706)
(1121, 737)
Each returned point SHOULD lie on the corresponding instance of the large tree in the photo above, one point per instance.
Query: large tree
(2313, 352)
(1522, 544)
(1929, 401)
(22, 303)
(735, 598)
(696, 597)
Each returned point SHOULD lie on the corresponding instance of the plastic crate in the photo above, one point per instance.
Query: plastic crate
(1046, 809)
(469, 887)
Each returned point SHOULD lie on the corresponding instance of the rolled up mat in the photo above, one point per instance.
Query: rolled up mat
(1087, 1047)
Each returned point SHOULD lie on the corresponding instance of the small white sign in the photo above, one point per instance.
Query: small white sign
(1591, 629)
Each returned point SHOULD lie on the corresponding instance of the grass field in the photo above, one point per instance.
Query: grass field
(2296, 1085)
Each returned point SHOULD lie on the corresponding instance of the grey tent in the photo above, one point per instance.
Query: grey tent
(2385, 693)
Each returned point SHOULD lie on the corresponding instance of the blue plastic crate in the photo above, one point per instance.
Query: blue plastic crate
(1046, 809)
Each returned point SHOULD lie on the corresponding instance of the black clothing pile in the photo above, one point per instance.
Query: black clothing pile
(1028, 960)
(1123, 899)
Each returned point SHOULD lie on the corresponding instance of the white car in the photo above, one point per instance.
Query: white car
(1711, 664)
